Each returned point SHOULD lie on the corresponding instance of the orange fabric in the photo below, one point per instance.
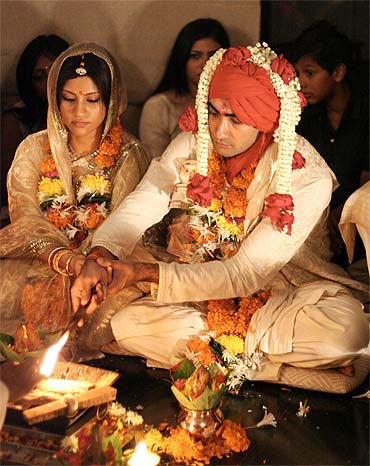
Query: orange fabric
(250, 93)
(252, 98)
(236, 164)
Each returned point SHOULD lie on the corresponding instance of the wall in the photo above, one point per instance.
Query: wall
(283, 20)
(139, 33)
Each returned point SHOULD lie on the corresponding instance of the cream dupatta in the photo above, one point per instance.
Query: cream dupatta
(19, 266)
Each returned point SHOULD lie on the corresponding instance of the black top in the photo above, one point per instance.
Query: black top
(346, 150)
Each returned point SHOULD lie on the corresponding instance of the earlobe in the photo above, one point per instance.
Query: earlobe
(340, 72)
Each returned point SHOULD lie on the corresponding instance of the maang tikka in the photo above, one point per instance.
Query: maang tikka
(81, 70)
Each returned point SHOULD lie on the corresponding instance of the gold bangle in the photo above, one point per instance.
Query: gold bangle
(51, 253)
(66, 267)
(56, 260)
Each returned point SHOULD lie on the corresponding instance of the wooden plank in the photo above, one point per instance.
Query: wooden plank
(57, 408)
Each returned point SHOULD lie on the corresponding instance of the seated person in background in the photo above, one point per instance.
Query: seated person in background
(336, 119)
(29, 115)
(196, 42)
(254, 196)
(63, 183)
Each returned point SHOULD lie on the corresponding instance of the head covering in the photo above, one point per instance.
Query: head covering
(250, 93)
(57, 132)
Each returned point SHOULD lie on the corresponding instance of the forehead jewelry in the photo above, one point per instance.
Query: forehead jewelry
(81, 70)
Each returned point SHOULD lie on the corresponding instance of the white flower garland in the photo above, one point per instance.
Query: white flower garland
(290, 111)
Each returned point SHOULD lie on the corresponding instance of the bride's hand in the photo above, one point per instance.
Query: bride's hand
(91, 277)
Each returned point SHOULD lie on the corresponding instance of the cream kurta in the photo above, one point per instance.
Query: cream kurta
(158, 326)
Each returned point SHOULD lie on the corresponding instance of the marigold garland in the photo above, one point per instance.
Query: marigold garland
(217, 227)
(93, 191)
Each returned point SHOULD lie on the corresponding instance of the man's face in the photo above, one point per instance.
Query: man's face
(229, 135)
(316, 82)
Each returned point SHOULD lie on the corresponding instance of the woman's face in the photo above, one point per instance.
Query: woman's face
(40, 75)
(200, 52)
(82, 108)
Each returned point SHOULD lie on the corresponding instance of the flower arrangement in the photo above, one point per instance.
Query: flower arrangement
(221, 348)
(198, 388)
(93, 191)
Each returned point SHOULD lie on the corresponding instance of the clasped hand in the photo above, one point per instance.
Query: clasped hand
(97, 279)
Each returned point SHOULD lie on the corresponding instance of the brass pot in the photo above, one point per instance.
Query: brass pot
(203, 424)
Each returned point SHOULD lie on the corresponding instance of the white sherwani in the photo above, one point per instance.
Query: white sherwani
(305, 320)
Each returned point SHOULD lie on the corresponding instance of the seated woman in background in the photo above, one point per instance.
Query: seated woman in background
(196, 42)
(29, 115)
(63, 183)
(336, 119)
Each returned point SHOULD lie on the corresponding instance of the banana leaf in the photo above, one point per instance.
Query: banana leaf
(208, 400)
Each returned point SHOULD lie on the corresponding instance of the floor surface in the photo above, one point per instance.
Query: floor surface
(335, 432)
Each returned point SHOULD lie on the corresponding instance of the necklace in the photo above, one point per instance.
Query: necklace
(74, 156)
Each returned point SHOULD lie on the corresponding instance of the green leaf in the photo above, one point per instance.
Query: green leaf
(184, 371)
(6, 351)
(11, 355)
(216, 347)
(114, 440)
(95, 198)
(209, 399)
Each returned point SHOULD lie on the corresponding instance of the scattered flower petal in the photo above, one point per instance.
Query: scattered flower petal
(304, 409)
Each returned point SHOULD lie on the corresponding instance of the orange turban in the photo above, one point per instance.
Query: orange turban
(248, 89)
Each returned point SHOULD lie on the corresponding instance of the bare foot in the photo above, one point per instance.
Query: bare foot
(347, 370)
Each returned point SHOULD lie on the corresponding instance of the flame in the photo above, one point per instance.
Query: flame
(51, 356)
(143, 457)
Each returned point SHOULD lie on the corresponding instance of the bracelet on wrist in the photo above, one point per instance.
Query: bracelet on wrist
(56, 259)
(51, 254)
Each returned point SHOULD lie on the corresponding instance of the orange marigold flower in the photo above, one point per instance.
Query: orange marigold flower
(47, 165)
(234, 436)
(93, 220)
(104, 160)
(60, 221)
(232, 317)
(109, 149)
(235, 203)
(202, 350)
(201, 238)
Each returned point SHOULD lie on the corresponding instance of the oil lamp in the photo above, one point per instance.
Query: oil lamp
(143, 457)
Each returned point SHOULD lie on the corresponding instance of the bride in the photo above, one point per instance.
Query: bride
(62, 185)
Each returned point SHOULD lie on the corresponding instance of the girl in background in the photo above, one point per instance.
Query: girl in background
(196, 42)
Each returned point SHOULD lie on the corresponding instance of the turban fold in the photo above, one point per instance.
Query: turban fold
(250, 93)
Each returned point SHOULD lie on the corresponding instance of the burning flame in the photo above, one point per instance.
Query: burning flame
(51, 356)
(143, 457)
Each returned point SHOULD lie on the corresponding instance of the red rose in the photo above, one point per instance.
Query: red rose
(236, 56)
(279, 207)
(188, 120)
(283, 68)
(298, 161)
(199, 190)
